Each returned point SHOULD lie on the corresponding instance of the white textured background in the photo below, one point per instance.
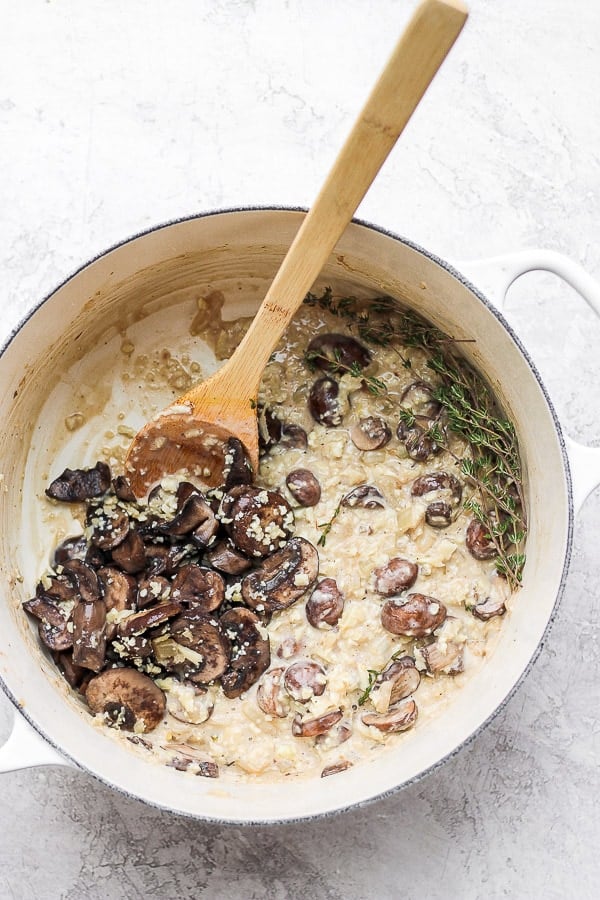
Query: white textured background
(115, 116)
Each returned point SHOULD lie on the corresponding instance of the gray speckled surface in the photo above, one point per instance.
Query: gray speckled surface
(117, 116)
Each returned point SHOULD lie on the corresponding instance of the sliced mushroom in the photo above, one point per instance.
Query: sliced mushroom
(334, 352)
(227, 558)
(395, 576)
(366, 496)
(400, 717)
(437, 481)
(89, 635)
(201, 633)
(293, 437)
(162, 559)
(479, 542)
(71, 548)
(447, 658)
(130, 554)
(151, 590)
(418, 439)
(258, 521)
(61, 587)
(135, 649)
(73, 675)
(415, 616)
(140, 622)
(55, 630)
(190, 759)
(335, 768)
(250, 651)
(304, 680)
(282, 578)
(323, 403)
(439, 514)
(488, 608)
(198, 586)
(189, 703)
(337, 735)
(399, 680)
(85, 578)
(370, 433)
(75, 485)
(418, 396)
(237, 469)
(109, 527)
(123, 490)
(317, 726)
(270, 695)
(194, 513)
(326, 604)
(128, 699)
(304, 487)
(118, 589)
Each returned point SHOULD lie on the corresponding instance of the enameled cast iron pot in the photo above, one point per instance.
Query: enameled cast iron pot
(238, 253)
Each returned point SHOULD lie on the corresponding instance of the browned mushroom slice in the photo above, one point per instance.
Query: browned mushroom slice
(400, 717)
(80, 484)
(258, 521)
(326, 604)
(85, 578)
(283, 577)
(59, 587)
(151, 590)
(122, 489)
(202, 634)
(226, 558)
(317, 726)
(118, 589)
(71, 548)
(162, 559)
(370, 433)
(128, 699)
(335, 768)
(137, 648)
(323, 403)
(148, 618)
(198, 586)
(109, 527)
(89, 635)
(447, 658)
(250, 651)
(419, 441)
(190, 757)
(304, 487)
(270, 696)
(304, 680)
(293, 437)
(237, 468)
(73, 675)
(130, 555)
(190, 703)
(339, 734)
(415, 616)
(479, 542)
(55, 631)
(366, 496)
(395, 576)
(401, 678)
(488, 608)
(194, 512)
(334, 352)
(437, 481)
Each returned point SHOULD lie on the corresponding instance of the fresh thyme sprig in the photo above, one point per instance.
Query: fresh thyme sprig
(374, 675)
(327, 526)
(468, 409)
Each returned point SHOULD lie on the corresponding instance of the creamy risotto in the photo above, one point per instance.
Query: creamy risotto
(294, 623)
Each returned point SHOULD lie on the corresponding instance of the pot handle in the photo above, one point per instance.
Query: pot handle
(25, 748)
(494, 276)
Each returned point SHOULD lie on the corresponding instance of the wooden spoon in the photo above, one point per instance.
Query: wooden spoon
(192, 434)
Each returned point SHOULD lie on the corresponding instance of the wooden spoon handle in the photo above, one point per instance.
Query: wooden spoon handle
(419, 53)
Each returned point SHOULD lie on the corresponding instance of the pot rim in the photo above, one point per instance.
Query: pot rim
(491, 308)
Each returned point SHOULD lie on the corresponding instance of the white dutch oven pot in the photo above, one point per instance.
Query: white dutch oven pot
(238, 252)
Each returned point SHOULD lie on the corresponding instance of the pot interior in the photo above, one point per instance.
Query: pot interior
(60, 407)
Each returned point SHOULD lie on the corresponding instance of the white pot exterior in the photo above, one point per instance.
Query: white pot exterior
(225, 251)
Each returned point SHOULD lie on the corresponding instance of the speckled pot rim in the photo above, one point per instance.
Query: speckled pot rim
(432, 257)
